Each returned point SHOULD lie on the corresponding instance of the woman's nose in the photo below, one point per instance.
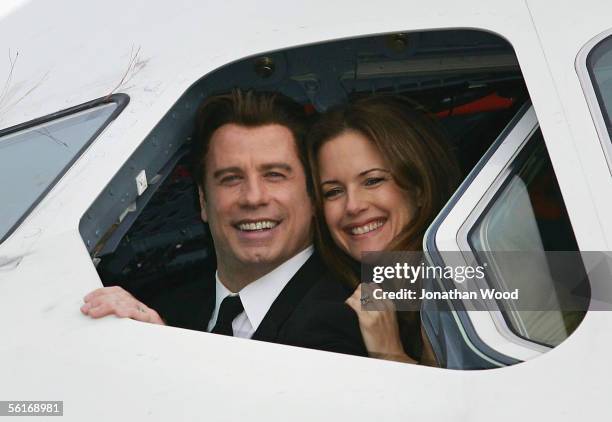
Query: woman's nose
(355, 203)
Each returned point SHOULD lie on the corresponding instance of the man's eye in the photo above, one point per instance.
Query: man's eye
(274, 175)
(228, 180)
(332, 193)
(373, 181)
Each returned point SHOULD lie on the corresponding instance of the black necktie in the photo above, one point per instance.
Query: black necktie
(229, 309)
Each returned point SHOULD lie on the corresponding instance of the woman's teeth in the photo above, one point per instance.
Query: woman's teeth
(367, 228)
(260, 225)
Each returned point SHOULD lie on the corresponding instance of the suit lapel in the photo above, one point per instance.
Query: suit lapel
(288, 299)
(206, 312)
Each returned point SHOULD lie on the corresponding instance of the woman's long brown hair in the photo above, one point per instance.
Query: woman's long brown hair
(417, 152)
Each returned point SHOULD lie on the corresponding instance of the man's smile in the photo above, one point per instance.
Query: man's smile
(255, 225)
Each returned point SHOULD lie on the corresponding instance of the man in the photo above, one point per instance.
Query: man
(250, 168)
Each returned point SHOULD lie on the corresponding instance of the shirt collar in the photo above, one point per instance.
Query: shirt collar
(257, 297)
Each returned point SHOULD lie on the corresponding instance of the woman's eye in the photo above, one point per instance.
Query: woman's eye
(332, 193)
(373, 181)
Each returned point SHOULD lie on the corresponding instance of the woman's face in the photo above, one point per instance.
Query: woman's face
(364, 208)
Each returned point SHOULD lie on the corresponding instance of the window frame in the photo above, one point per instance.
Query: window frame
(592, 97)
(121, 101)
(94, 224)
(486, 333)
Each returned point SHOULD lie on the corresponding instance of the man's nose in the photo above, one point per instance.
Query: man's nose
(255, 193)
(356, 203)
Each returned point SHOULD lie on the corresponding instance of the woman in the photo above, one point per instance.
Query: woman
(382, 171)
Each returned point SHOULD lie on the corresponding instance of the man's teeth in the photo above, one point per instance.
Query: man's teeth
(367, 228)
(260, 225)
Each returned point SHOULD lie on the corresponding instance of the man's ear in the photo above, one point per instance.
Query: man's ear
(202, 204)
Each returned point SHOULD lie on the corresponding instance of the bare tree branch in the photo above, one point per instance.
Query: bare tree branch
(9, 78)
(29, 91)
(4, 96)
(133, 66)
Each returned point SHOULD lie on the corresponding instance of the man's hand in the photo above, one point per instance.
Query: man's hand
(116, 301)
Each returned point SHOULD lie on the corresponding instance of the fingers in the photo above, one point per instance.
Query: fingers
(98, 302)
(354, 300)
(104, 291)
(102, 310)
(85, 308)
(375, 319)
(382, 317)
(116, 301)
(387, 304)
(379, 328)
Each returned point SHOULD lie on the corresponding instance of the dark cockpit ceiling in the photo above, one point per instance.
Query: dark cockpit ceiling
(329, 73)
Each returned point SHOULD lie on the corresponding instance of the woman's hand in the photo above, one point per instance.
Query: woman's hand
(379, 329)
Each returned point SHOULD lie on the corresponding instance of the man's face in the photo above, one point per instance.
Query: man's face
(255, 200)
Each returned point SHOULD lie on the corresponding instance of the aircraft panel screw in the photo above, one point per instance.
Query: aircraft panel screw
(265, 67)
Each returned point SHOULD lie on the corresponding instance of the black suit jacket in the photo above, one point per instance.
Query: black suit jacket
(309, 312)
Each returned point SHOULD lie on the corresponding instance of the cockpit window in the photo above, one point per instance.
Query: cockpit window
(599, 65)
(529, 215)
(155, 245)
(33, 158)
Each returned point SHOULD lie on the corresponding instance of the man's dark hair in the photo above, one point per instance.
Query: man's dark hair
(248, 109)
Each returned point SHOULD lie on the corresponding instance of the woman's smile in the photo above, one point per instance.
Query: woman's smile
(370, 227)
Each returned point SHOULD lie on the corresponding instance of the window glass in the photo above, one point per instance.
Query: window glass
(529, 215)
(32, 159)
(599, 64)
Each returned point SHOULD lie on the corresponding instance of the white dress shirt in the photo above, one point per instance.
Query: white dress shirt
(258, 296)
